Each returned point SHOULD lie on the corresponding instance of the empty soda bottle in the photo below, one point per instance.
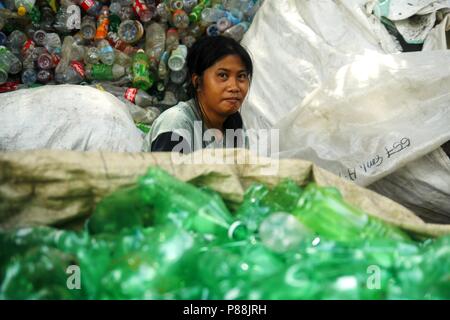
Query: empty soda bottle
(131, 31)
(163, 71)
(211, 15)
(180, 19)
(172, 39)
(53, 43)
(92, 55)
(39, 37)
(3, 74)
(45, 61)
(237, 32)
(24, 6)
(188, 5)
(15, 41)
(29, 76)
(88, 27)
(155, 40)
(105, 72)
(91, 7)
(114, 22)
(163, 12)
(282, 232)
(223, 24)
(136, 96)
(175, 5)
(178, 77)
(141, 73)
(9, 62)
(44, 76)
(103, 24)
(143, 11)
(177, 59)
(106, 52)
(324, 211)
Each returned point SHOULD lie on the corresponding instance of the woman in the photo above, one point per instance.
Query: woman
(219, 74)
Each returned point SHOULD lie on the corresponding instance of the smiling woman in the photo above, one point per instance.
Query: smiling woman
(219, 73)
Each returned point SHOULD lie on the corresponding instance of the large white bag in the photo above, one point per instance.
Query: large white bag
(331, 79)
(66, 117)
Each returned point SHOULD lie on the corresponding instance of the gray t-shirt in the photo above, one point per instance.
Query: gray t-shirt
(185, 120)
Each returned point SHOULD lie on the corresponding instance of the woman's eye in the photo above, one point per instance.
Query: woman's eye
(222, 75)
(243, 76)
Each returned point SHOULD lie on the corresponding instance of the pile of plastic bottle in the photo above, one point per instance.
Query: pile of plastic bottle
(166, 239)
(134, 49)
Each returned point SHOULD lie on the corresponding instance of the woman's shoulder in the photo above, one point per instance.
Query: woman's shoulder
(181, 111)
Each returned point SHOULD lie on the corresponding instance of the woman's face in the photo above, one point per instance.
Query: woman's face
(225, 85)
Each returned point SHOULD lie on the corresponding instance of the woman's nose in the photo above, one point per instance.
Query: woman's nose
(233, 85)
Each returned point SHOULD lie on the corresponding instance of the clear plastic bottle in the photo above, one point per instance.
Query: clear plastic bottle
(131, 31)
(115, 6)
(163, 71)
(188, 5)
(106, 52)
(172, 39)
(9, 62)
(178, 77)
(29, 76)
(88, 27)
(92, 55)
(223, 24)
(211, 15)
(15, 41)
(163, 12)
(126, 13)
(53, 43)
(143, 11)
(122, 58)
(155, 40)
(175, 5)
(177, 59)
(237, 32)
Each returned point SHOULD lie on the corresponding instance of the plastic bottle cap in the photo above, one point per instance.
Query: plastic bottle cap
(21, 11)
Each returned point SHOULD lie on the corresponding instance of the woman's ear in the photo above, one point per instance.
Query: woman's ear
(196, 82)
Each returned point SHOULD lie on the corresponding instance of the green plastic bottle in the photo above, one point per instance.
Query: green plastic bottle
(40, 273)
(142, 78)
(324, 211)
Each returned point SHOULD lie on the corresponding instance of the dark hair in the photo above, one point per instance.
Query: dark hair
(207, 50)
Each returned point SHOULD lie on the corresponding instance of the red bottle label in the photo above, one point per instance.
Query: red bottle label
(56, 59)
(29, 44)
(130, 94)
(78, 67)
(87, 4)
(138, 6)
